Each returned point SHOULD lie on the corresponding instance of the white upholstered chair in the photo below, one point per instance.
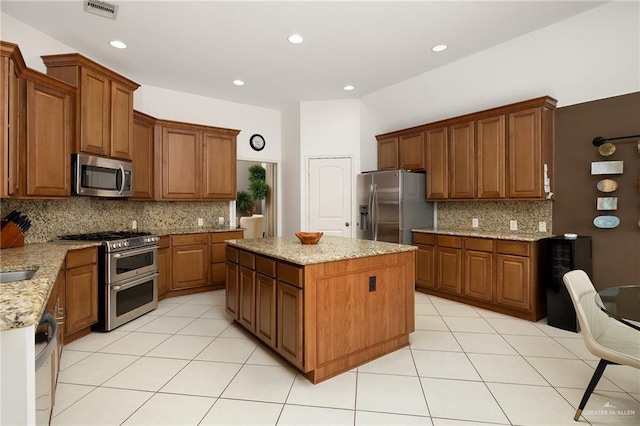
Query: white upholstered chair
(253, 226)
(605, 337)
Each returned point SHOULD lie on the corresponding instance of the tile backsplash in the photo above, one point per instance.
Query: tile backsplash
(494, 216)
(52, 218)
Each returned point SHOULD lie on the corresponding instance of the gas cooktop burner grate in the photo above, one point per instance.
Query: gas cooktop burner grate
(103, 236)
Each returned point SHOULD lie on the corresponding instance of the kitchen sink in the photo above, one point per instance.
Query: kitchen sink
(21, 275)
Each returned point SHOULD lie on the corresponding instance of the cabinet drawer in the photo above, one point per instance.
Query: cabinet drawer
(516, 248)
(247, 259)
(164, 242)
(231, 254)
(81, 257)
(478, 244)
(449, 241)
(218, 252)
(188, 240)
(266, 265)
(290, 274)
(420, 238)
(218, 237)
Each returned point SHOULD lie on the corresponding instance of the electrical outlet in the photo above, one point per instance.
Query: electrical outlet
(200, 221)
(542, 226)
(474, 222)
(221, 220)
(513, 225)
(134, 224)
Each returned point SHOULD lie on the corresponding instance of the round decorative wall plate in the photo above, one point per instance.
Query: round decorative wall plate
(607, 149)
(606, 222)
(607, 185)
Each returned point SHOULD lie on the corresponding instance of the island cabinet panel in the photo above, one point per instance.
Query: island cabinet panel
(247, 306)
(290, 324)
(218, 258)
(81, 292)
(329, 317)
(388, 154)
(491, 155)
(232, 292)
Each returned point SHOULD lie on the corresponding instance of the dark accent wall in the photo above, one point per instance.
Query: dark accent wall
(616, 252)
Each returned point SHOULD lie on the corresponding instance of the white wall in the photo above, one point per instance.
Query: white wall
(327, 129)
(290, 192)
(590, 56)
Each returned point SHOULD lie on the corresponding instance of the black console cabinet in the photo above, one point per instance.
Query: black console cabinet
(564, 255)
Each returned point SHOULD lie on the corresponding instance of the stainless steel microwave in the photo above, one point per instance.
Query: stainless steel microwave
(101, 177)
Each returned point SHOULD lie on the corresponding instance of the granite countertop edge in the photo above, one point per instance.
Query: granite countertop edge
(185, 231)
(484, 234)
(328, 249)
(22, 303)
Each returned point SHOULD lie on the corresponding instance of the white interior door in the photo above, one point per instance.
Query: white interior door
(330, 196)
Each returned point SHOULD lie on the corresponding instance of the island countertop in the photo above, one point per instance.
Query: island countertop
(328, 249)
(22, 303)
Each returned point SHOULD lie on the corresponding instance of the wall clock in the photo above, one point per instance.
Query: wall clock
(257, 142)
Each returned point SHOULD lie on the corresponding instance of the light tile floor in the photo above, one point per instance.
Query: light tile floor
(186, 363)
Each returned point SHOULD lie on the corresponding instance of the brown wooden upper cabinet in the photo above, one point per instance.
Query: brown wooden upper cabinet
(104, 105)
(388, 154)
(437, 164)
(142, 155)
(195, 162)
(37, 115)
(494, 154)
(412, 151)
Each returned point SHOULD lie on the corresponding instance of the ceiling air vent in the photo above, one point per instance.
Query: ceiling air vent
(101, 8)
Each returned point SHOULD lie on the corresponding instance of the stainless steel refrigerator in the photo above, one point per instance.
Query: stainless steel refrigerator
(390, 204)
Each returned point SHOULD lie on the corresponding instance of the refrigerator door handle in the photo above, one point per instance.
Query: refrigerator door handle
(375, 212)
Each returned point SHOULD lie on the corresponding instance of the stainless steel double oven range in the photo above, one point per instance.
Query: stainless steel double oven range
(128, 274)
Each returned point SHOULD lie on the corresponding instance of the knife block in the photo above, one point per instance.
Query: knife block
(10, 235)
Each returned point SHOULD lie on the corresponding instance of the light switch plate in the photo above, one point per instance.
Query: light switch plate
(474, 222)
(513, 225)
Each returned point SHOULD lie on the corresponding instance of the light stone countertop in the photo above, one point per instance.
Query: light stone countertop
(513, 236)
(183, 231)
(328, 249)
(22, 303)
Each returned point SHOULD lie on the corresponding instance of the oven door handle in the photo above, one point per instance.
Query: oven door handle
(134, 252)
(119, 287)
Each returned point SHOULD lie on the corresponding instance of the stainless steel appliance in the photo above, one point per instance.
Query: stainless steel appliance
(390, 204)
(101, 177)
(128, 274)
(46, 343)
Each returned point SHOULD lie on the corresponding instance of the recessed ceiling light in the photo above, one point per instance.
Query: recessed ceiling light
(118, 44)
(439, 48)
(295, 39)
(238, 82)
(348, 87)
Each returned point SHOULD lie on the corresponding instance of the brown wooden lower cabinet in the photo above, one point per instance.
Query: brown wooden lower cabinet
(324, 318)
(81, 292)
(190, 261)
(498, 275)
(164, 266)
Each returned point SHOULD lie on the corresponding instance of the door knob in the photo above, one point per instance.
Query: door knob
(347, 224)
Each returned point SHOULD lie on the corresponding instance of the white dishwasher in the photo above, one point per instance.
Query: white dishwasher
(45, 349)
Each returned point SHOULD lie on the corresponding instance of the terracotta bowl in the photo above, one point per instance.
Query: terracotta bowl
(309, 237)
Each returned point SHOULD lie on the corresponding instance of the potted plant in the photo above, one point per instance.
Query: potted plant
(247, 201)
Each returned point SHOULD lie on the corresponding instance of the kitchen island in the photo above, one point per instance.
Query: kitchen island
(325, 308)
